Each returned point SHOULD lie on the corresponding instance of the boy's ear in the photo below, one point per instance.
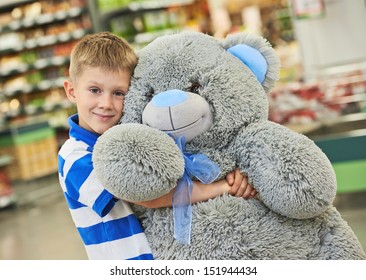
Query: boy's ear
(69, 89)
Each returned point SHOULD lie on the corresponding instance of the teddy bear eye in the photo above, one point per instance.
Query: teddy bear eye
(195, 88)
(150, 94)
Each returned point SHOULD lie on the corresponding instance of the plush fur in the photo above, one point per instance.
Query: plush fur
(292, 216)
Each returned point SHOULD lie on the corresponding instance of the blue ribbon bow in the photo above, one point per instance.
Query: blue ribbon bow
(205, 170)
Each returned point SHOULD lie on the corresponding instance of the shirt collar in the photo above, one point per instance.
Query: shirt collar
(80, 133)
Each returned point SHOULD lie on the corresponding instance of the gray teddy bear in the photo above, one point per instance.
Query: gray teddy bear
(193, 95)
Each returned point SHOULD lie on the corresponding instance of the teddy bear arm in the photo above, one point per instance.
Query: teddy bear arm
(292, 175)
(137, 163)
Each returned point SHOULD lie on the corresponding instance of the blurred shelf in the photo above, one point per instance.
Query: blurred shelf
(38, 65)
(143, 6)
(338, 125)
(42, 19)
(44, 41)
(29, 88)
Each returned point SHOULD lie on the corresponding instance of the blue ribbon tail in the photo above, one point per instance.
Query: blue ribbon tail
(182, 210)
(205, 170)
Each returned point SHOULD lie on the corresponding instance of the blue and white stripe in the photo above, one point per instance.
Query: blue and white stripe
(107, 226)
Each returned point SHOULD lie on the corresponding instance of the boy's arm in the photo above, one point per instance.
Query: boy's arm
(236, 184)
(200, 192)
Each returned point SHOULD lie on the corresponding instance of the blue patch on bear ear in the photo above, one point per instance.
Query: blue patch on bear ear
(252, 58)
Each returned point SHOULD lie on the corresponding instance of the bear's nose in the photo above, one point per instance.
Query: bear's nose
(169, 98)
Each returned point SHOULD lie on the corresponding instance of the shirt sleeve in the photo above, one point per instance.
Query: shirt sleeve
(83, 186)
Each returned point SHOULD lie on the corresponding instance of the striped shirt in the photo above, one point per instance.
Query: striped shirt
(107, 226)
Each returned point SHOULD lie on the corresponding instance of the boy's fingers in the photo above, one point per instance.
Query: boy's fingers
(247, 192)
(234, 179)
(243, 183)
(254, 192)
(234, 189)
(230, 178)
(241, 189)
(238, 174)
(239, 184)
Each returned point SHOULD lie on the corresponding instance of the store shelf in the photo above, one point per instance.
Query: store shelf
(42, 19)
(140, 22)
(340, 96)
(350, 124)
(11, 3)
(43, 41)
(31, 110)
(37, 65)
(144, 6)
(41, 86)
(347, 99)
(34, 148)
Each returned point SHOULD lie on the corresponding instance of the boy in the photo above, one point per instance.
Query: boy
(101, 66)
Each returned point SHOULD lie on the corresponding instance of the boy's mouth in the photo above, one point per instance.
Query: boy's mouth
(103, 116)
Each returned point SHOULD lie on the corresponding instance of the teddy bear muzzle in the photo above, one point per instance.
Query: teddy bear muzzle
(178, 113)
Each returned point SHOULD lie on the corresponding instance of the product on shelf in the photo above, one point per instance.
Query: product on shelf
(320, 102)
(33, 148)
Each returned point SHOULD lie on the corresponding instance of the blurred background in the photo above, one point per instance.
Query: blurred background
(321, 93)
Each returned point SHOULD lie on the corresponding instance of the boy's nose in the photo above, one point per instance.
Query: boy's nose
(106, 101)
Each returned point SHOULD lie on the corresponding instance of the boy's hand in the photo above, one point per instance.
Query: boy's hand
(239, 185)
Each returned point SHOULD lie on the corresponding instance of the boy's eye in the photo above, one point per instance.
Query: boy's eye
(94, 90)
(119, 93)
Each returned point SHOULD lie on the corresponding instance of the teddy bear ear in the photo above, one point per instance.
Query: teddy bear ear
(257, 54)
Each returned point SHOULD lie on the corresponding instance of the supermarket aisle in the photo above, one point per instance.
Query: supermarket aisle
(40, 226)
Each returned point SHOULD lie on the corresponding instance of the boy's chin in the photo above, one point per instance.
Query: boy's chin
(100, 131)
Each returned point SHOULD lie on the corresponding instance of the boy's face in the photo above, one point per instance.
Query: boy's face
(99, 97)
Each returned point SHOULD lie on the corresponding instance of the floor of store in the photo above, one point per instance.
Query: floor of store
(39, 226)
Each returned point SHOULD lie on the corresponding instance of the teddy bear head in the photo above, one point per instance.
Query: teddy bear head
(206, 89)
(187, 84)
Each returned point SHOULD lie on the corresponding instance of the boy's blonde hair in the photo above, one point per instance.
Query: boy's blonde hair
(104, 50)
